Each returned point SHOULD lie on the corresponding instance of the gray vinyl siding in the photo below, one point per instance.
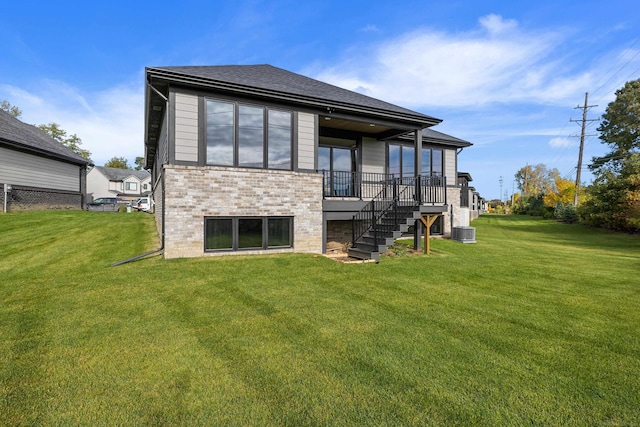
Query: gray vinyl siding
(306, 141)
(373, 155)
(20, 168)
(450, 166)
(186, 128)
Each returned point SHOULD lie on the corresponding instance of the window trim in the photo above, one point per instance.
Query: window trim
(235, 237)
(265, 133)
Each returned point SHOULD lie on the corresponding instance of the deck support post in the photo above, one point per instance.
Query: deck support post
(428, 220)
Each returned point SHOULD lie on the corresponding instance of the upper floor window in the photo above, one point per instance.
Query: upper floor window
(437, 164)
(248, 136)
(131, 186)
(401, 161)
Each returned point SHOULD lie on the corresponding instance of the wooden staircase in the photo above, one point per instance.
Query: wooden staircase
(392, 212)
(377, 240)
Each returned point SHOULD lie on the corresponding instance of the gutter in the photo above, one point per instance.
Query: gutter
(161, 178)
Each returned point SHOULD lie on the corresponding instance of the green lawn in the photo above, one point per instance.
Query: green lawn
(536, 324)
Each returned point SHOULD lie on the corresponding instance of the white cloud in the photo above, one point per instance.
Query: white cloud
(109, 122)
(498, 62)
(561, 142)
(496, 25)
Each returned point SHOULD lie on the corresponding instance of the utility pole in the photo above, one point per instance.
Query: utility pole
(582, 135)
(500, 180)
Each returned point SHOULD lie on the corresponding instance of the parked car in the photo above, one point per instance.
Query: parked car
(110, 204)
(105, 200)
(142, 204)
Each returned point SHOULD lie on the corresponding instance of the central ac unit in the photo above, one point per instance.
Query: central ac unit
(464, 234)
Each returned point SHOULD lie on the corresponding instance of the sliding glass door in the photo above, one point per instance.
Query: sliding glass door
(339, 166)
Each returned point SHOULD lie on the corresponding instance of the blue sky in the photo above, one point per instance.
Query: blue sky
(503, 75)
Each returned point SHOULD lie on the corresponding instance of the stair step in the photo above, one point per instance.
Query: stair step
(413, 215)
(369, 239)
(370, 247)
(394, 234)
(362, 254)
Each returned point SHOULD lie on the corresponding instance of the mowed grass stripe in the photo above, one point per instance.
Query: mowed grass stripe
(534, 324)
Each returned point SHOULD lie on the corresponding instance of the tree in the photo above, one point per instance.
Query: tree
(535, 180)
(73, 142)
(620, 128)
(614, 196)
(563, 192)
(11, 109)
(117, 162)
(139, 163)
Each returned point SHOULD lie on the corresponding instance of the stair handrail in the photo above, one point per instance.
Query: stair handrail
(369, 207)
(369, 216)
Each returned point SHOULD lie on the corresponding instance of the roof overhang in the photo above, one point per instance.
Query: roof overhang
(42, 153)
(432, 137)
(465, 175)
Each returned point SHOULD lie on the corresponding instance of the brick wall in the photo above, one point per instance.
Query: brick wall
(339, 231)
(193, 193)
(29, 198)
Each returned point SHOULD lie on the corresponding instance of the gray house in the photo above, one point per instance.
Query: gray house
(257, 159)
(36, 171)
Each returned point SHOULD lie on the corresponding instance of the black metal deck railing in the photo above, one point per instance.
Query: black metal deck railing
(353, 184)
(367, 186)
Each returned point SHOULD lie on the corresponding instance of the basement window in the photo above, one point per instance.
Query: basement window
(247, 233)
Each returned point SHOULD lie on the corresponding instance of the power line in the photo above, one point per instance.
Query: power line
(582, 135)
(618, 71)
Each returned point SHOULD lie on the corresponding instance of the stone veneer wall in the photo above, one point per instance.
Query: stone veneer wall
(193, 193)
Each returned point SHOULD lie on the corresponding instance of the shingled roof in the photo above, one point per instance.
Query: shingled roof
(431, 136)
(29, 138)
(119, 174)
(269, 81)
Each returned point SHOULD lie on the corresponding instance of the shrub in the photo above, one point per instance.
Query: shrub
(534, 206)
(565, 212)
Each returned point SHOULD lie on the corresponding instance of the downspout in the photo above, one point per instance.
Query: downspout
(451, 219)
(161, 248)
(155, 251)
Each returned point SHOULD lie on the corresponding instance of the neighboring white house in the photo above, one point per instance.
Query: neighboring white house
(36, 171)
(128, 184)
